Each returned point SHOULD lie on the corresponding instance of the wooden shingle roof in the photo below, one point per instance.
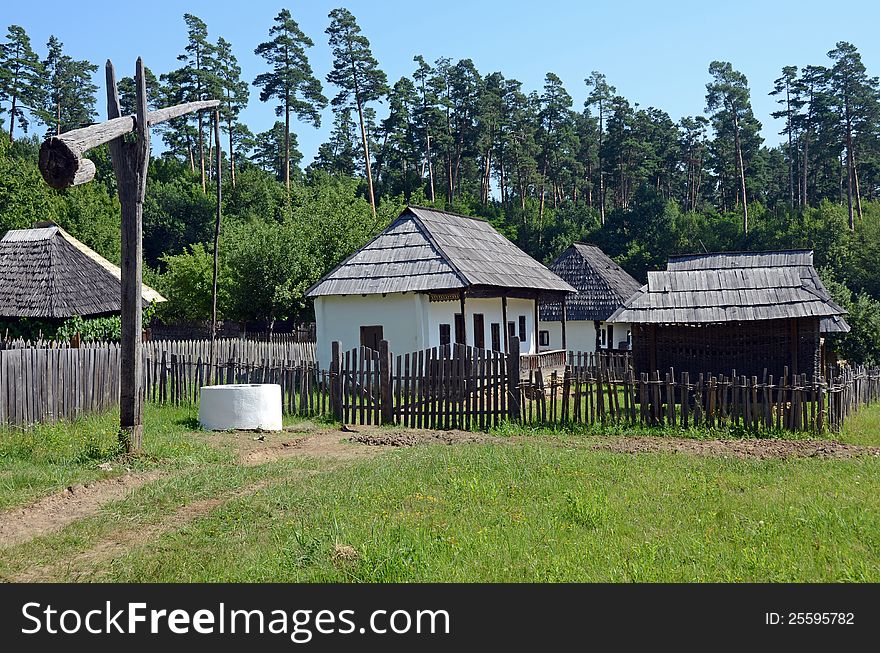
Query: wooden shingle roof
(47, 273)
(724, 295)
(799, 259)
(602, 285)
(429, 250)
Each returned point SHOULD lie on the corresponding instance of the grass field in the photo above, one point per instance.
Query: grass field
(518, 506)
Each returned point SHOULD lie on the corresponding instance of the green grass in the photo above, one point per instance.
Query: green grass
(35, 462)
(543, 508)
(536, 513)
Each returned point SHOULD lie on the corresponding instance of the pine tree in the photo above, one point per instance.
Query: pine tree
(276, 151)
(357, 75)
(21, 77)
(857, 99)
(425, 117)
(235, 93)
(601, 95)
(69, 100)
(196, 79)
(290, 80)
(786, 87)
(727, 98)
(128, 93)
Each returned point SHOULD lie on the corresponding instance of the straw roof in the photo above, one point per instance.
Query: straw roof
(602, 285)
(47, 273)
(425, 250)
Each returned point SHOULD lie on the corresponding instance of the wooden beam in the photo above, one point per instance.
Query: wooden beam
(463, 319)
(535, 328)
(219, 211)
(61, 157)
(564, 318)
(130, 162)
(504, 326)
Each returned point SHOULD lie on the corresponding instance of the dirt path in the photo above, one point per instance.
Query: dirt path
(54, 512)
(81, 566)
(759, 449)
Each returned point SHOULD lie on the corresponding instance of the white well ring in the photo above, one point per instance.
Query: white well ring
(240, 406)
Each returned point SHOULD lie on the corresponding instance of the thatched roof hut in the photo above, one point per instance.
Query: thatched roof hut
(46, 273)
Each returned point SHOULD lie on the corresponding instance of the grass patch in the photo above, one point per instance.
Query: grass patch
(48, 457)
(537, 513)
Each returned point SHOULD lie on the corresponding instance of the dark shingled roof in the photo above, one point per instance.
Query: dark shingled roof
(47, 273)
(429, 250)
(602, 285)
(801, 259)
(727, 294)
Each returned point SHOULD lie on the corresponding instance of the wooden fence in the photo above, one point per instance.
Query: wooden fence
(462, 387)
(45, 385)
(796, 403)
(443, 387)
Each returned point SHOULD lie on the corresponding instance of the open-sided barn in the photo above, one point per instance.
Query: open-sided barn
(743, 311)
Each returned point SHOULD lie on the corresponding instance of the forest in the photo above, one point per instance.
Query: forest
(547, 166)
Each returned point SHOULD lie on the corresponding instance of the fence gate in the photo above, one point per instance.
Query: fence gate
(452, 386)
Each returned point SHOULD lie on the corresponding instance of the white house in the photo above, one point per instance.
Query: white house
(579, 323)
(433, 278)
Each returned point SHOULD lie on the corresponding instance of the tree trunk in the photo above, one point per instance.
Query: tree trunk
(806, 165)
(742, 174)
(12, 117)
(287, 142)
(231, 156)
(202, 152)
(849, 176)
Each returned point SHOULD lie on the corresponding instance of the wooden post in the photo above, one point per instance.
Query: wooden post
(513, 372)
(463, 319)
(386, 396)
(598, 338)
(504, 326)
(219, 211)
(130, 161)
(535, 326)
(335, 382)
(564, 318)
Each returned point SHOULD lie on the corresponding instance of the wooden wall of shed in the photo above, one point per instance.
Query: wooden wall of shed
(747, 347)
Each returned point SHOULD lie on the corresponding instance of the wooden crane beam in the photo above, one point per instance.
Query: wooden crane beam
(62, 161)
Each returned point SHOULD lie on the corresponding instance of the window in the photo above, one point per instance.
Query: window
(522, 328)
(444, 334)
(511, 329)
(544, 338)
(603, 338)
(371, 336)
(459, 328)
(479, 331)
(496, 336)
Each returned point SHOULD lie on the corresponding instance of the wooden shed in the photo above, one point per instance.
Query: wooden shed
(578, 323)
(45, 273)
(749, 312)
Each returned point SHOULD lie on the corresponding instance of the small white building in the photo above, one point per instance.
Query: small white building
(433, 278)
(578, 323)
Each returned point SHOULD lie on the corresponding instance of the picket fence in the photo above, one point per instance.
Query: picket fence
(444, 387)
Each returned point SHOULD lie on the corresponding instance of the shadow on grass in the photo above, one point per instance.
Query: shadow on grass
(192, 423)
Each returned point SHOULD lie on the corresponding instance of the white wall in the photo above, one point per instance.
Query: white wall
(340, 317)
(580, 335)
(491, 308)
(410, 322)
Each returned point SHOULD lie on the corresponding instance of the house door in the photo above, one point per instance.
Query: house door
(371, 336)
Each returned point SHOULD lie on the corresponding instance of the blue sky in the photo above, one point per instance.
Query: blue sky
(656, 53)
